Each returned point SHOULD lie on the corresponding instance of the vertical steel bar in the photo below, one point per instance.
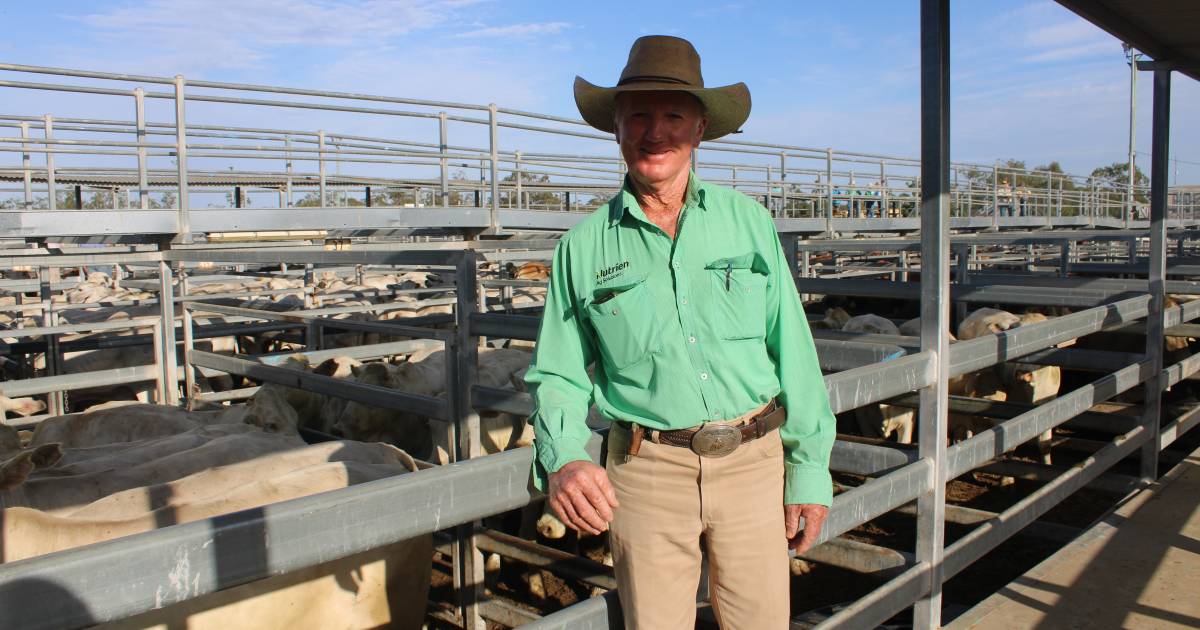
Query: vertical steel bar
(191, 393)
(517, 177)
(883, 191)
(767, 200)
(783, 184)
(935, 294)
(444, 175)
(139, 112)
(829, 191)
(995, 197)
(287, 153)
(1064, 265)
(1132, 161)
(464, 352)
(184, 226)
(51, 187)
(1158, 269)
(321, 168)
(47, 276)
(167, 359)
(26, 167)
(494, 150)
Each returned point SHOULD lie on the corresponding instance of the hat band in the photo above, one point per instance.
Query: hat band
(650, 78)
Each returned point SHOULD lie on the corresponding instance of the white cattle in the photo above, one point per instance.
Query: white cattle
(871, 324)
(835, 319)
(1033, 384)
(387, 586)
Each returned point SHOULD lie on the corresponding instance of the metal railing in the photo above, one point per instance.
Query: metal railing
(502, 164)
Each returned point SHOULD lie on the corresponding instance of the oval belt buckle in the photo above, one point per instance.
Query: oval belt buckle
(716, 440)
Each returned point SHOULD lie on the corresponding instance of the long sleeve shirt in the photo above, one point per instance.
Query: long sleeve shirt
(703, 327)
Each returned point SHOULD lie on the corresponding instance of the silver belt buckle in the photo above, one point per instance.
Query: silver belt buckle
(716, 440)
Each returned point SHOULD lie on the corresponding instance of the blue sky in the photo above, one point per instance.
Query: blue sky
(1030, 80)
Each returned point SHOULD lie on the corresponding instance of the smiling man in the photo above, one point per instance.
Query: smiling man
(679, 293)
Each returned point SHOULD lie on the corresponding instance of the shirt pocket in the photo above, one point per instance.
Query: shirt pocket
(623, 318)
(739, 291)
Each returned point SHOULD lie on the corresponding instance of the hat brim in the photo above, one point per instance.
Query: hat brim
(727, 107)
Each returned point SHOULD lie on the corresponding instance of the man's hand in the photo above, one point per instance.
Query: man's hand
(582, 496)
(814, 517)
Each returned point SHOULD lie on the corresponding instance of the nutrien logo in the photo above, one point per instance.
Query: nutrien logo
(604, 275)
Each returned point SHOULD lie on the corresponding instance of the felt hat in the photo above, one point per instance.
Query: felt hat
(665, 63)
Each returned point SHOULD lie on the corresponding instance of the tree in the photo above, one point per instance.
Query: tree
(1115, 177)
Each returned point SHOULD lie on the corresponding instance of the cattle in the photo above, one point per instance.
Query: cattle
(424, 374)
(387, 586)
(1014, 381)
(871, 324)
(835, 319)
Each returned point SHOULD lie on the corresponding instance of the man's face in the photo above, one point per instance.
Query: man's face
(657, 132)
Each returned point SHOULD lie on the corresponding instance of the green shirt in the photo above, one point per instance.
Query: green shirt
(704, 327)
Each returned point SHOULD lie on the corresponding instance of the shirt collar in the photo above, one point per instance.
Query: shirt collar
(627, 202)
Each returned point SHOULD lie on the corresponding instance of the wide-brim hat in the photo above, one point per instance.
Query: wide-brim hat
(665, 63)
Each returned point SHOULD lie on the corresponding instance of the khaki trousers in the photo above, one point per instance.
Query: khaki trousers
(672, 499)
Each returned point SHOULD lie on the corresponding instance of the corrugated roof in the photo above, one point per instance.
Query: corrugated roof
(1166, 30)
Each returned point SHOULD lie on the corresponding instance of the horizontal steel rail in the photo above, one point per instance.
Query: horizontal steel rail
(372, 395)
(116, 579)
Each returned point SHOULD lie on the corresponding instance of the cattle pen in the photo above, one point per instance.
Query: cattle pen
(180, 198)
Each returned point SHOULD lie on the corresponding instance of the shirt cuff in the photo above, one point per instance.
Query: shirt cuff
(807, 484)
(552, 455)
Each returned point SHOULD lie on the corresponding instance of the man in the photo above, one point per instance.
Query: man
(679, 294)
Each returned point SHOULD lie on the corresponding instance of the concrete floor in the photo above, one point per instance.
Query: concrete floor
(1137, 568)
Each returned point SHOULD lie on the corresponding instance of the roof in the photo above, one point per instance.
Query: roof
(1165, 30)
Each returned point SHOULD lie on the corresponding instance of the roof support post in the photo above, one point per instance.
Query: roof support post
(1156, 322)
(935, 296)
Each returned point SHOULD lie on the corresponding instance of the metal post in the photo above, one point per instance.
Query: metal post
(935, 296)
(237, 196)
(783, 183)
(494, 150)
(1064, 268)
(48, 132)
(445, 176)
(768, 199)
(1129, 194)
(829, 191)
(191, 393)
(995, 197)
(1155, 323)
(517, 176)
(1093, 202)
(468, 567)
(78, 197)
(367, 197)
(287, 152)
(47, 276)
(310, 288)
(321, 167)
(167, 358)
(139, 112)
(185, 223)
(883, 191)
(26, 165)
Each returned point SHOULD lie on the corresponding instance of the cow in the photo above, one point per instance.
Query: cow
(871, 324)
(387, 586)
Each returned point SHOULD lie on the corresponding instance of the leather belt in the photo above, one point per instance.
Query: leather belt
(712, 439)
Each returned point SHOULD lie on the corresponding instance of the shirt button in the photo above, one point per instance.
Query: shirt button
(615, 311)
(717, 414)
(691, 340)
(704, 376)
(675, 264)
(684, 300)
